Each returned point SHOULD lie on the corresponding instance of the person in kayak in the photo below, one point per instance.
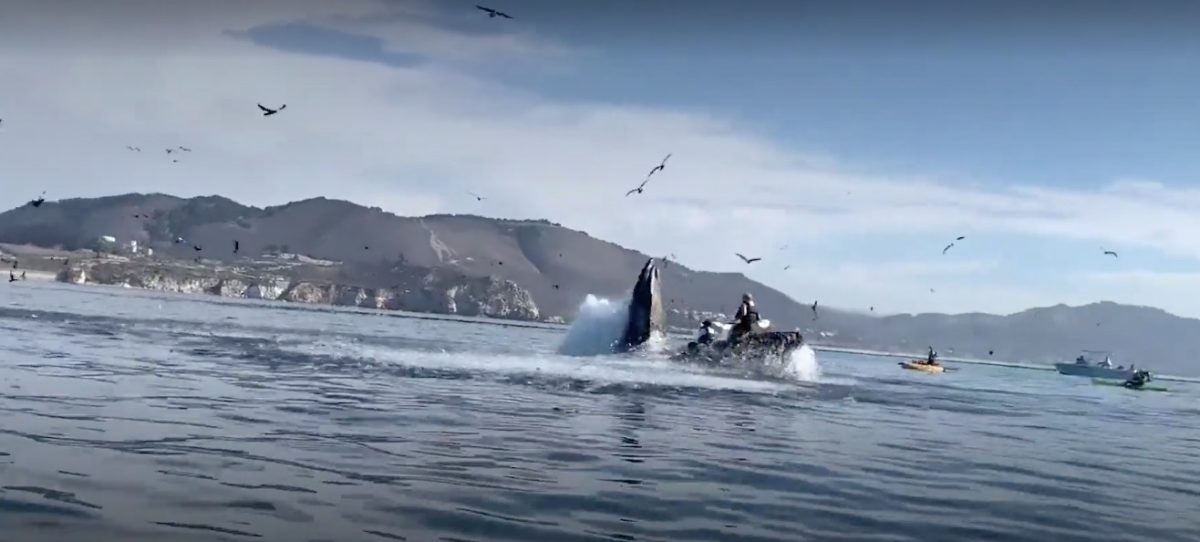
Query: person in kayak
(744, 318)
(1139, 379)
(707, 333)
(931, 358)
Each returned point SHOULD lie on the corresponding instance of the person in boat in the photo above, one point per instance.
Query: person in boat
(931, 357)
(708, 333)
(744, 318)
(1139, 379)
(1081, 360)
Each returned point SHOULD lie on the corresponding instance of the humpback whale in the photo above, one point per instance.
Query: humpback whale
(646, 316)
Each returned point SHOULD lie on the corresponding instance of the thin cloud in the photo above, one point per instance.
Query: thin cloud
(415, 140)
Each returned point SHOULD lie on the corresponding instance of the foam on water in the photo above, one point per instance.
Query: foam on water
(629, 369)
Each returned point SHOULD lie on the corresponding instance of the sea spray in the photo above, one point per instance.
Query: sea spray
(802, 365)
(598, 326)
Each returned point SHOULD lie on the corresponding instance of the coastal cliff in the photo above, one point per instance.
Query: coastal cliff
(432, 291)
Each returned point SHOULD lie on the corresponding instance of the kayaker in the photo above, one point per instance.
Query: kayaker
(1138, 379)
(931, 358)
(707, 333)
(744, 318)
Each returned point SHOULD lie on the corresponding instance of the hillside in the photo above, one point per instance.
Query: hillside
(558, 266)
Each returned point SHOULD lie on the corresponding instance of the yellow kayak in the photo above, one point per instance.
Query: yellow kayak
(922, 366)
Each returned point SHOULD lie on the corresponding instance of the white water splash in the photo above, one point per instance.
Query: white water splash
(802, 365)
(599, 324)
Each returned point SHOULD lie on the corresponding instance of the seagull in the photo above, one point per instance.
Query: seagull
(639, 188)
(178, 240)
(197, 248)
(1111, 253)
(268, 111)
(132, 148)
(960, 238)
(814, 309)
(786, 267)
(947, 248)
(476, 196)
(39, 201)
(169, 151)
(872, 308)
(185, 149)
(661, 166)
(493, 13)
(990, 352)
(745, 259)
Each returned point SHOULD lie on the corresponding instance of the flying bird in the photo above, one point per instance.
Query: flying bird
(39, 201)
(786, 267)
(872, 308)
(661, 166)
(492, 14)
(169, 151)
(1111, 253)
(947, 248)
(132, 148)
(639, 188)
(476, 196)
(197, 248)
(745, 259)
(185, 149)
(267, 111)
(960, 238)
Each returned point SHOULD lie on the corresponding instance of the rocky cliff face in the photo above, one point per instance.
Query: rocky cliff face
(434, 292)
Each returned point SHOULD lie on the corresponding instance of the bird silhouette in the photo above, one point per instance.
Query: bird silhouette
(786, 267)
(947, 248)
(267, 111)
(476, 196)
(661, 166)
(639, 188)
(169, 151)
(39, 201)
(197, 248)
(492, 13)
(185, 149)
(960, 238)
(1111, 253)
(745, 259)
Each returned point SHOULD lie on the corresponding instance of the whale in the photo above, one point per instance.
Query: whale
(646, 317)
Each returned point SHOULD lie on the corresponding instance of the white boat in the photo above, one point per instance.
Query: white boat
(1083, 366)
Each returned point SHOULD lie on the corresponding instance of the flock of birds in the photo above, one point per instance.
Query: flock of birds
(639, 189)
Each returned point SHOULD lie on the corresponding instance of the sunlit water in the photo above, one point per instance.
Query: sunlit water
(127, 415)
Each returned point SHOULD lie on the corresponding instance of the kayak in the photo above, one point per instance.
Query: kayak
(915, 366)
(1145, 387)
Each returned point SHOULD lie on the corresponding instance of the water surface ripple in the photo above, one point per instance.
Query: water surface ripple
(136, 416)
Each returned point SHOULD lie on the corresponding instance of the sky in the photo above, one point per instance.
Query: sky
(848, 141)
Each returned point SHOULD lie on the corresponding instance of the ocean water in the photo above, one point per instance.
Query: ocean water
(128, 415)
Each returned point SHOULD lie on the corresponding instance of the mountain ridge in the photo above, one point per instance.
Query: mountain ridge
(559, 266)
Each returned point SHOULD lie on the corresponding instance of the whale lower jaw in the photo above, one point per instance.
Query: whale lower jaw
(646, 318)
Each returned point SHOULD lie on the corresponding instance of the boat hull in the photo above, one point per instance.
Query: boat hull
(923, 367)
(1091, 371)
(767, 345)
